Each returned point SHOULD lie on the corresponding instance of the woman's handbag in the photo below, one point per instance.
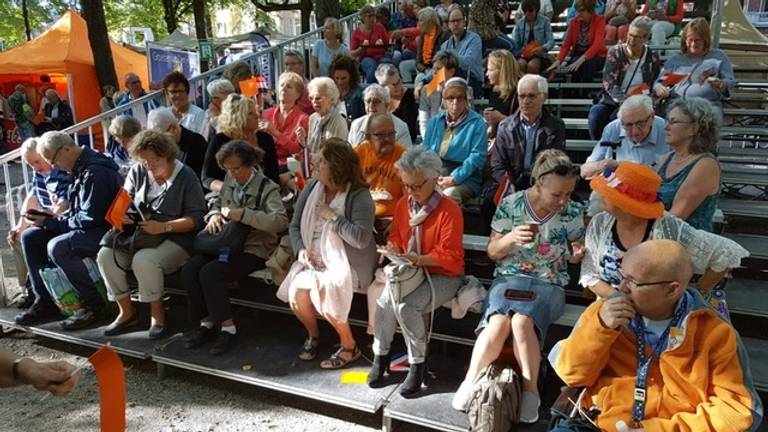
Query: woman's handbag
(129, 241)
(231, 238)
(402, 277)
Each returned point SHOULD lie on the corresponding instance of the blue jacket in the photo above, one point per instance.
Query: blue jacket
(468, 147)
(96, 182)
(542, 33)
(469, 50)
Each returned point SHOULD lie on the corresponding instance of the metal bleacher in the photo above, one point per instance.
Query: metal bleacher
(270, 337)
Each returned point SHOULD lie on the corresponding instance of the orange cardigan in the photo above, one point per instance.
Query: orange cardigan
(442, 235)
(596, 38)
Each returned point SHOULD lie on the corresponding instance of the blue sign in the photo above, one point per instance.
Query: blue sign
(164, 60)
(260, 43)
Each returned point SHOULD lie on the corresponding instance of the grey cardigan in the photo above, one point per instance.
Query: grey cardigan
(355, 227)
(267, 216)
(183, 199)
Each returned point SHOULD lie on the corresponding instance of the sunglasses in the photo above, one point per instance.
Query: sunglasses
(563, 170)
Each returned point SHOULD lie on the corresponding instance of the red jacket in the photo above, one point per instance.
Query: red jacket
(596, 38)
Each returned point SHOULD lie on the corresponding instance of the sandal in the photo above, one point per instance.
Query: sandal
(337, 362)
(309, 350)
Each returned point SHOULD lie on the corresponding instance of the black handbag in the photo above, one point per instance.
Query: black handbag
(129, 241)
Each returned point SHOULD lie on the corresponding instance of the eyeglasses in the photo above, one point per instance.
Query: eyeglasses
(455, 21)
(455, 98)
(384, 135)
(674, 122)
(524, 96)
(414, 187)
(638, 124)
(52, 161)
(562, 170)
(632, 284)
(373, 101)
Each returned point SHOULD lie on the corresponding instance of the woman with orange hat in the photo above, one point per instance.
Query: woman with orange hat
(635, 213)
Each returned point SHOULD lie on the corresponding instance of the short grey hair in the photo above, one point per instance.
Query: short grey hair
(220, 87)
(704, 118)
(294, 53)
(124, 126)
(429, 15)
(382, 91)
(54, 140)
(325, 86)
(541, 83)
(50, 92)
(29, 146)
(385, 71)
(643, 23)
(419, 159)
(636, 102)
(161, 119)
(461, 83)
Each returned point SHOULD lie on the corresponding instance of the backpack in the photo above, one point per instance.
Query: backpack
(495, 402)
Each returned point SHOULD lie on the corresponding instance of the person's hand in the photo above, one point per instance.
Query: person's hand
(301, 136)
(127, 220)
(36, 219)
(577, 252)
(366, 42)
(717, 84)
(379, 42)
(310, 259)
(622, 426)
(661, 91)
(521, 234)
(325, 211)
(616, 312)
(58, 377)
(573, 67)
(235, 214)
(59, 207)
(152, 227)
(391, 248)
(13, 236)
(215, 224)
(553, 66)
(493, 116)
(446, 181)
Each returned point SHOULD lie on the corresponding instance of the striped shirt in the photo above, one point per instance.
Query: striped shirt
(56, 184)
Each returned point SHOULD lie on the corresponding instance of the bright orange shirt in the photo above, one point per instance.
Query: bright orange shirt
(382, 176)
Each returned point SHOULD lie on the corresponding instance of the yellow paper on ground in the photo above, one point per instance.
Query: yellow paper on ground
(354, 377)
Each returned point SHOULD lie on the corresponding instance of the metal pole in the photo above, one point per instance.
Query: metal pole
(717, 19)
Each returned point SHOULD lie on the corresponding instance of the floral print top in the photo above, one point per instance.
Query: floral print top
(617, 66)
(546, 257)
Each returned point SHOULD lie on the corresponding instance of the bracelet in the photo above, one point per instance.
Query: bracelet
(15, 369)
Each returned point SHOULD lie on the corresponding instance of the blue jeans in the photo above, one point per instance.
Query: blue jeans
(66, 251)
(26, 130)
(599, 116)
(589, 70)
(369, 66)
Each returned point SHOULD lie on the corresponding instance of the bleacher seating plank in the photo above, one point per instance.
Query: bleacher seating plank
(743, 178)
(755, 244)
(738, 207)
(747, 296)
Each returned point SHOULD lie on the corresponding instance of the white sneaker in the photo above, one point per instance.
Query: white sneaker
(461, 398)
(529, 407)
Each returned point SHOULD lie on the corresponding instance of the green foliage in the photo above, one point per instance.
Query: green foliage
(349, 7)
(135, 13)
(41, 16)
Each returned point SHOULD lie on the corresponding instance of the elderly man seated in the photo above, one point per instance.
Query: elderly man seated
(469, 48)
(66, 239)
(458, 135)
(655, 357)
(638, 135)
(134, 91)
(192, 146)
(47, 193)
(57, 113)
(376, 99)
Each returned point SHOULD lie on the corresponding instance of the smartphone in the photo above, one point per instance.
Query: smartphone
(36, 212)
(519, 295)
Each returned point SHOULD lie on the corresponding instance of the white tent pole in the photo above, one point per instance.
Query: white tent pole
(71, 96)
(717, 20)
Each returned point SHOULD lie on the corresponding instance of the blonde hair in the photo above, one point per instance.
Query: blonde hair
(698, 27)
(509, 73)
(336, 26)
(292, 79)
(549, 160)
(234, 114)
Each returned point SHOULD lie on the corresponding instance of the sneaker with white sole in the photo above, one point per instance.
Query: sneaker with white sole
(461, 398)
(529, 407)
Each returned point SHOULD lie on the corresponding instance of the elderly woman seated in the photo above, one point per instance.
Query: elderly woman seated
(218, 89)
(249, 198)
(170, 198)
(690, 174)
(122, 129)
(458, 135)
(376, 99)
(239, 119)
(532, 240)
(427, 230)
(633, 214)
(332, 236)
(286, 118)
(325, 123)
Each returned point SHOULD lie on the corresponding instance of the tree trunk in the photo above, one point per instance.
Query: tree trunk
(326, 9)
(25, 14)
(93, 13)
(169, 15)
(198, 9)
(305, 6)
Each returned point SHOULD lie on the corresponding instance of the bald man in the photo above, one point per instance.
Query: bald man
(696, 368)
(58, 114)
(378, 154)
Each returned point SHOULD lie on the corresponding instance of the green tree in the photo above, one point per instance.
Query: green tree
(135, 13)
(40, 16)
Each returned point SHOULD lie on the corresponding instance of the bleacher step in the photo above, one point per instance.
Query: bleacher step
(748, 297)
(755, 244)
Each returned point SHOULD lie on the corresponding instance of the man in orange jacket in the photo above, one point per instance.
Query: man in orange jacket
(655, 357)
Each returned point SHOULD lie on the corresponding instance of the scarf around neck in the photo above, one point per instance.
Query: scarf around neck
(418, 214)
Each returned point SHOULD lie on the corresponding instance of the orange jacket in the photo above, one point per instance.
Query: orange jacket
(596, 38)
(442, 235)
(700, 383)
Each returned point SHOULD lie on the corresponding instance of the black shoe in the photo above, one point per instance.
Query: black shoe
(158, 331)
(118, 328)
(223, 343)
(413, 381)
(199, 336)
(376, 374)
(36, 314)
(81, 319)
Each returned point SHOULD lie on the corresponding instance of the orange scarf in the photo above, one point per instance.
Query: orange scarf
(428, 45)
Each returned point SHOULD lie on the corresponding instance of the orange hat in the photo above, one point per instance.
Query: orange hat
(633, 187)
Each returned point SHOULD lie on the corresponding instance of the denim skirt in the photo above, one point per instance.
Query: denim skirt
(545, 305)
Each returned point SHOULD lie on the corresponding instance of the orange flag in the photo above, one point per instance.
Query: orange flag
(639, 89)
(111, 377)
(530, 50)
(437, 79)
(253, 86)
(118, 209)
(672, 78)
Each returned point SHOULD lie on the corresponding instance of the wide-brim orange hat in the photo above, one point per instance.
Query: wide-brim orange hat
(633, 187)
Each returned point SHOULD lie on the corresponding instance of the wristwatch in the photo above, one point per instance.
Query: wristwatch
(168, 228)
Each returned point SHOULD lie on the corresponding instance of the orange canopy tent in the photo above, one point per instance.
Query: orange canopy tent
(64, 53)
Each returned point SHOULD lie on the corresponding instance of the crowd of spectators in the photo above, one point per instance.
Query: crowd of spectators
(385, 169)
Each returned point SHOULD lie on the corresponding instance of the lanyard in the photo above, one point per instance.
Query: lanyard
(644, 361)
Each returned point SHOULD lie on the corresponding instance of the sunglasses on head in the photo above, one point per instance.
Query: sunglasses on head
(563, 170)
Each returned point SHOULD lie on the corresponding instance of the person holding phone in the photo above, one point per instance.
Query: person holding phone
(536, 231)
